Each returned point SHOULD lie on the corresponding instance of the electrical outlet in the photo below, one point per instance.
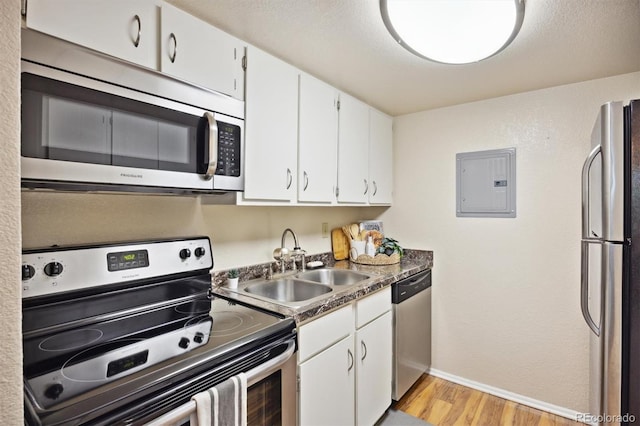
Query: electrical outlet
(325, 230)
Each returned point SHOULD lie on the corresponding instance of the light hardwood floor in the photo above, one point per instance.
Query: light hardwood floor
(443, 403)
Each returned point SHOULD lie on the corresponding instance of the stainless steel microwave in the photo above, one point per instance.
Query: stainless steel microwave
(91, 122)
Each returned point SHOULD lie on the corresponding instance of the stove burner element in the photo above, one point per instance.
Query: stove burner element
(71, 340)
(99, 364)
(94, 374)
(225, 322)
(195, 307)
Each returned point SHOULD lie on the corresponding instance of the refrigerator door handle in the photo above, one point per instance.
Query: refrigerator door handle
(586, 170)
(584, 288)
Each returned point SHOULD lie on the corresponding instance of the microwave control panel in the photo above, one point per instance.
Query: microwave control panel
(228, 150)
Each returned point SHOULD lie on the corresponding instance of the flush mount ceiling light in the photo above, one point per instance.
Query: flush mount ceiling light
(453, 31)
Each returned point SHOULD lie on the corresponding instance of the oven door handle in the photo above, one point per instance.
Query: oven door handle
(253, 376)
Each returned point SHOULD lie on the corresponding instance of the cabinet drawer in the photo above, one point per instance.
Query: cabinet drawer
(371, 307)
(323, 332)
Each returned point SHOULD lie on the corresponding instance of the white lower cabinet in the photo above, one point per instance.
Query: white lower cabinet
(344, 364)
(373, 372)
(327, 393)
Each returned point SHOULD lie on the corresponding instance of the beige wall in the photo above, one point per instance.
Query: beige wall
(241, 235)
(506, 291)
(11, 342)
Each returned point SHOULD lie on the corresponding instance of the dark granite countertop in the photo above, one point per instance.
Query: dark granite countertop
(413, 261)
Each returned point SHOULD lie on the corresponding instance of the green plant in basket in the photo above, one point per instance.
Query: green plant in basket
(390, 246)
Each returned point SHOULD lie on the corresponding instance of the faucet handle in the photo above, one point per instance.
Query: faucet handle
(303, 263)
(281, 253)
(268, 272)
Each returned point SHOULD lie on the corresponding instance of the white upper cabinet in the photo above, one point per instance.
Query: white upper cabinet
(126, 29)
(194, 51)
(271, 128)
(317, 141)
(305, 142)
(380, 158)
(353, 151)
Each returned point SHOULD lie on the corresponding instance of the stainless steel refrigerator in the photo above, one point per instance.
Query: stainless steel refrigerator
(610, 282)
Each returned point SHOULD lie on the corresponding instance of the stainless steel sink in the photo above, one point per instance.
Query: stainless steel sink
(302, 288)
(333, 276)
(287, 290)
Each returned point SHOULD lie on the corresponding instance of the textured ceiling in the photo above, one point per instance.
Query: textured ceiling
(345, 43)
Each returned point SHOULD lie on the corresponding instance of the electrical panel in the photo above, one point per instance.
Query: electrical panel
(486, 183)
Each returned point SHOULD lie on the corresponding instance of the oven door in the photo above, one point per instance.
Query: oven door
(100, 136)
(271, 395)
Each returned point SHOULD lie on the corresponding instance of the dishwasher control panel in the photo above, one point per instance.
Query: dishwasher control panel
(407, 287)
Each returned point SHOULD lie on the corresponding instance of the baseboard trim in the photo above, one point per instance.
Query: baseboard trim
(511, 396)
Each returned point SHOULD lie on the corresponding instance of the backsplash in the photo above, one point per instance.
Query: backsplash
(241, 235)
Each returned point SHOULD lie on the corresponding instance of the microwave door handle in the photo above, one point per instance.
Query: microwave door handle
(586, 170)
(213, 145)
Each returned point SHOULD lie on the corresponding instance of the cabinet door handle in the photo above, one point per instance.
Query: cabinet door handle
(364, 350)
(350, 360)
(136, 42)
(289, 178)
(306, 181)
(172, 58)
(366, 187)
(375, 188)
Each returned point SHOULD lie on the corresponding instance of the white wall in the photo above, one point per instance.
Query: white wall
(506, 307)
(241, 235)
(11, 342)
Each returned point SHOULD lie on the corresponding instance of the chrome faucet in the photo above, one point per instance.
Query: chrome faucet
(283, 254)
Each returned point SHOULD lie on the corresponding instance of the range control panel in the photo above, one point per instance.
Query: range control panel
(60, 269)
(127, 260)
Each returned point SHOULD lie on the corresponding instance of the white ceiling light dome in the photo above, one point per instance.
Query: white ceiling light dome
(453, 31)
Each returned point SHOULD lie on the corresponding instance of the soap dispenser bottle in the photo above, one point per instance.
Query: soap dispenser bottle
(369, 248)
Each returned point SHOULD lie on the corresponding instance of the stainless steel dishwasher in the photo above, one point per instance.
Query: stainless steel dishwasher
(411, 298)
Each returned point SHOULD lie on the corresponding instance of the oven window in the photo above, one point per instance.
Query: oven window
(264, 401)
(61, 121)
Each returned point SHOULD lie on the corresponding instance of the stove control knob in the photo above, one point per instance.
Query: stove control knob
(53, 391)
(198, 338)
(199, 252)
(53, 269)
(184, 343)
(28, 272)
(185, 254)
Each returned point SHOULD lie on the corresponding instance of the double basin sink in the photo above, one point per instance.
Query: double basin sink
(303, 286)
